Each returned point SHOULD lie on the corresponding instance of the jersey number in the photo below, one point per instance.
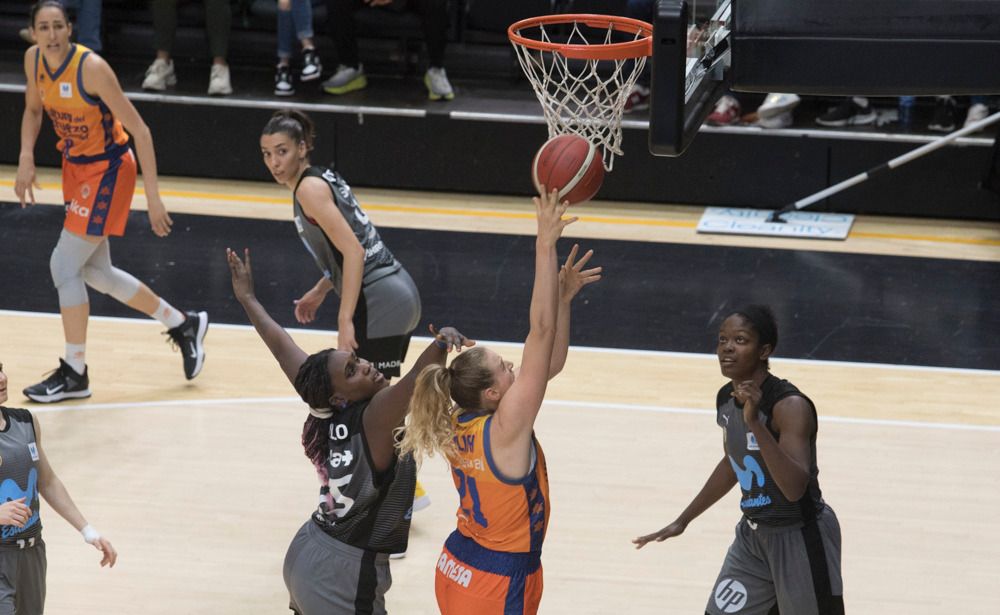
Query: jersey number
(338, 497)
(467, 484)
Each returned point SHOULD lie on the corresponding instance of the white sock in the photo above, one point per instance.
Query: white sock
(169, 315)
(76, 357)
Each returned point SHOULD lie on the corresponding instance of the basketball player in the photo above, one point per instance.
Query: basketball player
(379, 303)
(786, 554)
(491, 564)
(338, 561)
(81, 95)
(25, 474)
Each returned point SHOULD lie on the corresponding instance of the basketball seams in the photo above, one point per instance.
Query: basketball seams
(562, 163)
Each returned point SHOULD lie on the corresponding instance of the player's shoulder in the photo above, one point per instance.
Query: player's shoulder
(20, 415)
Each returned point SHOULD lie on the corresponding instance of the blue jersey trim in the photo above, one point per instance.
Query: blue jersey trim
(59, 71)
(494, 562)
(488, 453)
(79, 82)
(116, 151)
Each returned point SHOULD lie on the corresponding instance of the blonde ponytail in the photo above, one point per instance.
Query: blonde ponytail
(430, 427)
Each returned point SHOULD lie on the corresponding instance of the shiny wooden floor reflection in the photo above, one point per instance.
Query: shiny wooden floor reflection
(202, 484)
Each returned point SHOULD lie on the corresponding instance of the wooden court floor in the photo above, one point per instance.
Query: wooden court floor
(201, 485)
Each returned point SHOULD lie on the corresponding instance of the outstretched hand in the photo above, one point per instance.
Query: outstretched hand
(573, 277)
(550, 215)
(241, 273)
(674, 529)
(451, 338)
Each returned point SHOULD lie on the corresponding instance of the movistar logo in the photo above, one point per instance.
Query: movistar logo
(748, 475)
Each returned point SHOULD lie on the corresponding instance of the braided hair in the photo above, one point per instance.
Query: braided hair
(313, 385)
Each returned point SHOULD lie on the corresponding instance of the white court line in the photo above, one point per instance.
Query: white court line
(565, 403)
(591, 349)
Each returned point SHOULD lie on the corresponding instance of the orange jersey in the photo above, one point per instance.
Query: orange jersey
(87, 130)
(501, 514)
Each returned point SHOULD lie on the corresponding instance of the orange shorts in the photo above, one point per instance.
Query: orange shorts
(492, 583)
(98, 195)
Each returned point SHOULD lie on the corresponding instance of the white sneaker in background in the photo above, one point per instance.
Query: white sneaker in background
(977, 112)
(438, 86)
(218, 81)
(777, 121)
(159, 75)
(777, 104)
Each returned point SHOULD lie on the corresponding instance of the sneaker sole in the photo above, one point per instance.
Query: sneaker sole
(49, 399)
(421, 503)
(284, 93)
(358, 83)
(200, 344)
(169, 82)
(306, 79)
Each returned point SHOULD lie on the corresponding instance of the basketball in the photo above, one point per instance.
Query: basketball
(571, 164)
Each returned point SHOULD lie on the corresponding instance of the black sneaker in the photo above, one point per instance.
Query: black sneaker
(62, 383)
(283, 85)
(850, 112)
(945, 118)
(189, 336)
(312, 69)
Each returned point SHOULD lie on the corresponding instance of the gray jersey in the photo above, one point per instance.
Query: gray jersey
(762, 500)
(357, 506)
(19, 476)
(379, 261)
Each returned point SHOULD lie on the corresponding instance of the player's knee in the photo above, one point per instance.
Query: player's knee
(67, 278)
(112, 281)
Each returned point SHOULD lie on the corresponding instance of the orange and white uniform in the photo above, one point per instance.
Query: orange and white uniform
(99, 169)
(491, 564)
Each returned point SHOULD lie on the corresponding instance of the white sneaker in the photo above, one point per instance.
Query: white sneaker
(159, 75)
(438, 86)
(778, 121)
(218, 81)
(777, 104)
(977, 112)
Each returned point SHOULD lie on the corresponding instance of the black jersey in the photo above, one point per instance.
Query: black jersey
(358, 507)
(762, 500)
(379, 261)
(19, 475)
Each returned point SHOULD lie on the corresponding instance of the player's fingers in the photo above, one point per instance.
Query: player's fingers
(572, 255)
(583, 260)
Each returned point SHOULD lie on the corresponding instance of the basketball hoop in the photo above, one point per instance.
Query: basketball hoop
(581, 74)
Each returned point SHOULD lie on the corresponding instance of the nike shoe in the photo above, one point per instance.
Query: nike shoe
(61, 383)
(189, 337)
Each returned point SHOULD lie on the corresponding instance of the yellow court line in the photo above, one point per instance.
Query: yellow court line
(412, 209)
(944, 239)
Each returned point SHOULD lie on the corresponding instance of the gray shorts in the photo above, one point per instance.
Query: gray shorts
(22, 579)
(327, 577)
(392, 306)
(794, 568)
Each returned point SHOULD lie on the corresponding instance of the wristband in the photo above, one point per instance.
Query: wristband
(90, 535)
(443, 345)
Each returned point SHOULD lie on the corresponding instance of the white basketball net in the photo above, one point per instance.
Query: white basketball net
(584, 97)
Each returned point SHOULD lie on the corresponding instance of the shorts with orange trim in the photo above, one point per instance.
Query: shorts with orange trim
(474, 580)
(98, 195)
